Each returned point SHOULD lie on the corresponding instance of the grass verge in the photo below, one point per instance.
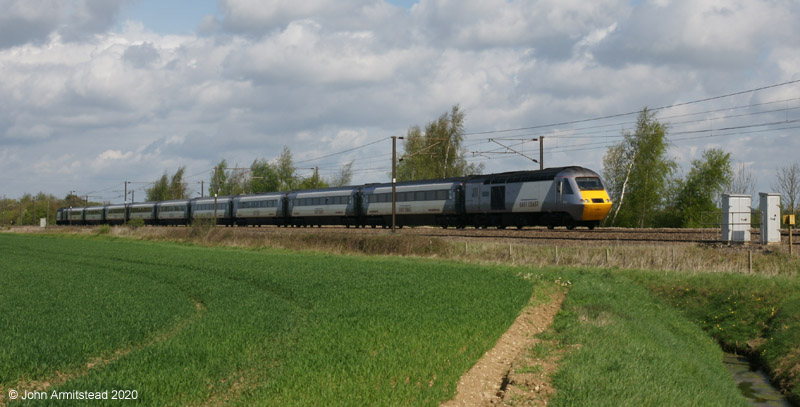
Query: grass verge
(751, 315)
(630, 348)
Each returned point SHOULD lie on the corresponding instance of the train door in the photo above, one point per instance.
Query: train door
(459, 200)
(472, 196)
(498, 198)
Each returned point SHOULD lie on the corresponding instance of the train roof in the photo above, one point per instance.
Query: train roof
(175, 202)
(420, 182)
(547, 174)
(260, 195)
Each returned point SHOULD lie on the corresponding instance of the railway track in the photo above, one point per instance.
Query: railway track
(543, 235)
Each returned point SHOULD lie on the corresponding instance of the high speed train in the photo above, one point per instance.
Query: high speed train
(564, 196)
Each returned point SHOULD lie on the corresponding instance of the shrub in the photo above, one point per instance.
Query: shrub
(135, 223)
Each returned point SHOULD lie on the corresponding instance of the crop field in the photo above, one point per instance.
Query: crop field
(196, 325)
(185, 325)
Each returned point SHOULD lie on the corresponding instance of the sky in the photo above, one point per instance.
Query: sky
(94, 93)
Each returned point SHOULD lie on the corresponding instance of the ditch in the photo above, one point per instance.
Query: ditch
(753, 382)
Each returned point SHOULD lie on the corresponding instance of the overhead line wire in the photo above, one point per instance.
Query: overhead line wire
(638, 111)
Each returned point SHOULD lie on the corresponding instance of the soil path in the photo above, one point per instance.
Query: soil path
(482, 385)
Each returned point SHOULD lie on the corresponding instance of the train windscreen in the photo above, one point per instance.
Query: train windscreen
(589, 183)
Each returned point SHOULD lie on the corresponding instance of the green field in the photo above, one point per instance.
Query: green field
(189, 325)
(186, 325)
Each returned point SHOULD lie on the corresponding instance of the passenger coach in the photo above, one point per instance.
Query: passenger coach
(261, 209)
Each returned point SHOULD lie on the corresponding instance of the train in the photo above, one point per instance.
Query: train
(553, 197)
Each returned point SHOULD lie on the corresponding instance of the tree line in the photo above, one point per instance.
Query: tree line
(260, 177)
(646, 190)
(28, 209)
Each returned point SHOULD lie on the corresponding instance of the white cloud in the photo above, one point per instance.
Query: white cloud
(323, 76)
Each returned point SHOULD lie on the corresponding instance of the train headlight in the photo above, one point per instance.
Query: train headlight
(586, 200)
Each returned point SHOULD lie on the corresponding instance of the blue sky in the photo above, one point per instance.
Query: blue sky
(183, 16)
(169, 16)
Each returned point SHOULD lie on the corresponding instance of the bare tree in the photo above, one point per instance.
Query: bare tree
(788, 185)
(344, 176)
(744, 182)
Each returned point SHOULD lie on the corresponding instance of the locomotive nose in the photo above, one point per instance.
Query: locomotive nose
(596, 205)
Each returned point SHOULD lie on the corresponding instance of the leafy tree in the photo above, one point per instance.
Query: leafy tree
(219, 179)
(285, 169)
(263, 177)
(700, 190)
(313, 182)
(160, 189)
(177, 188)
(638, 171)
(438, 152)
(166, 187)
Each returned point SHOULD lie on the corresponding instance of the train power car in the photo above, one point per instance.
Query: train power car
(568, 196)
(564, 196)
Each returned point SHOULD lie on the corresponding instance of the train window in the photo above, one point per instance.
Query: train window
(567, 189)
(475, 192)
(419, 196)
(430, 195)
(441, 195)
(589, 183)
